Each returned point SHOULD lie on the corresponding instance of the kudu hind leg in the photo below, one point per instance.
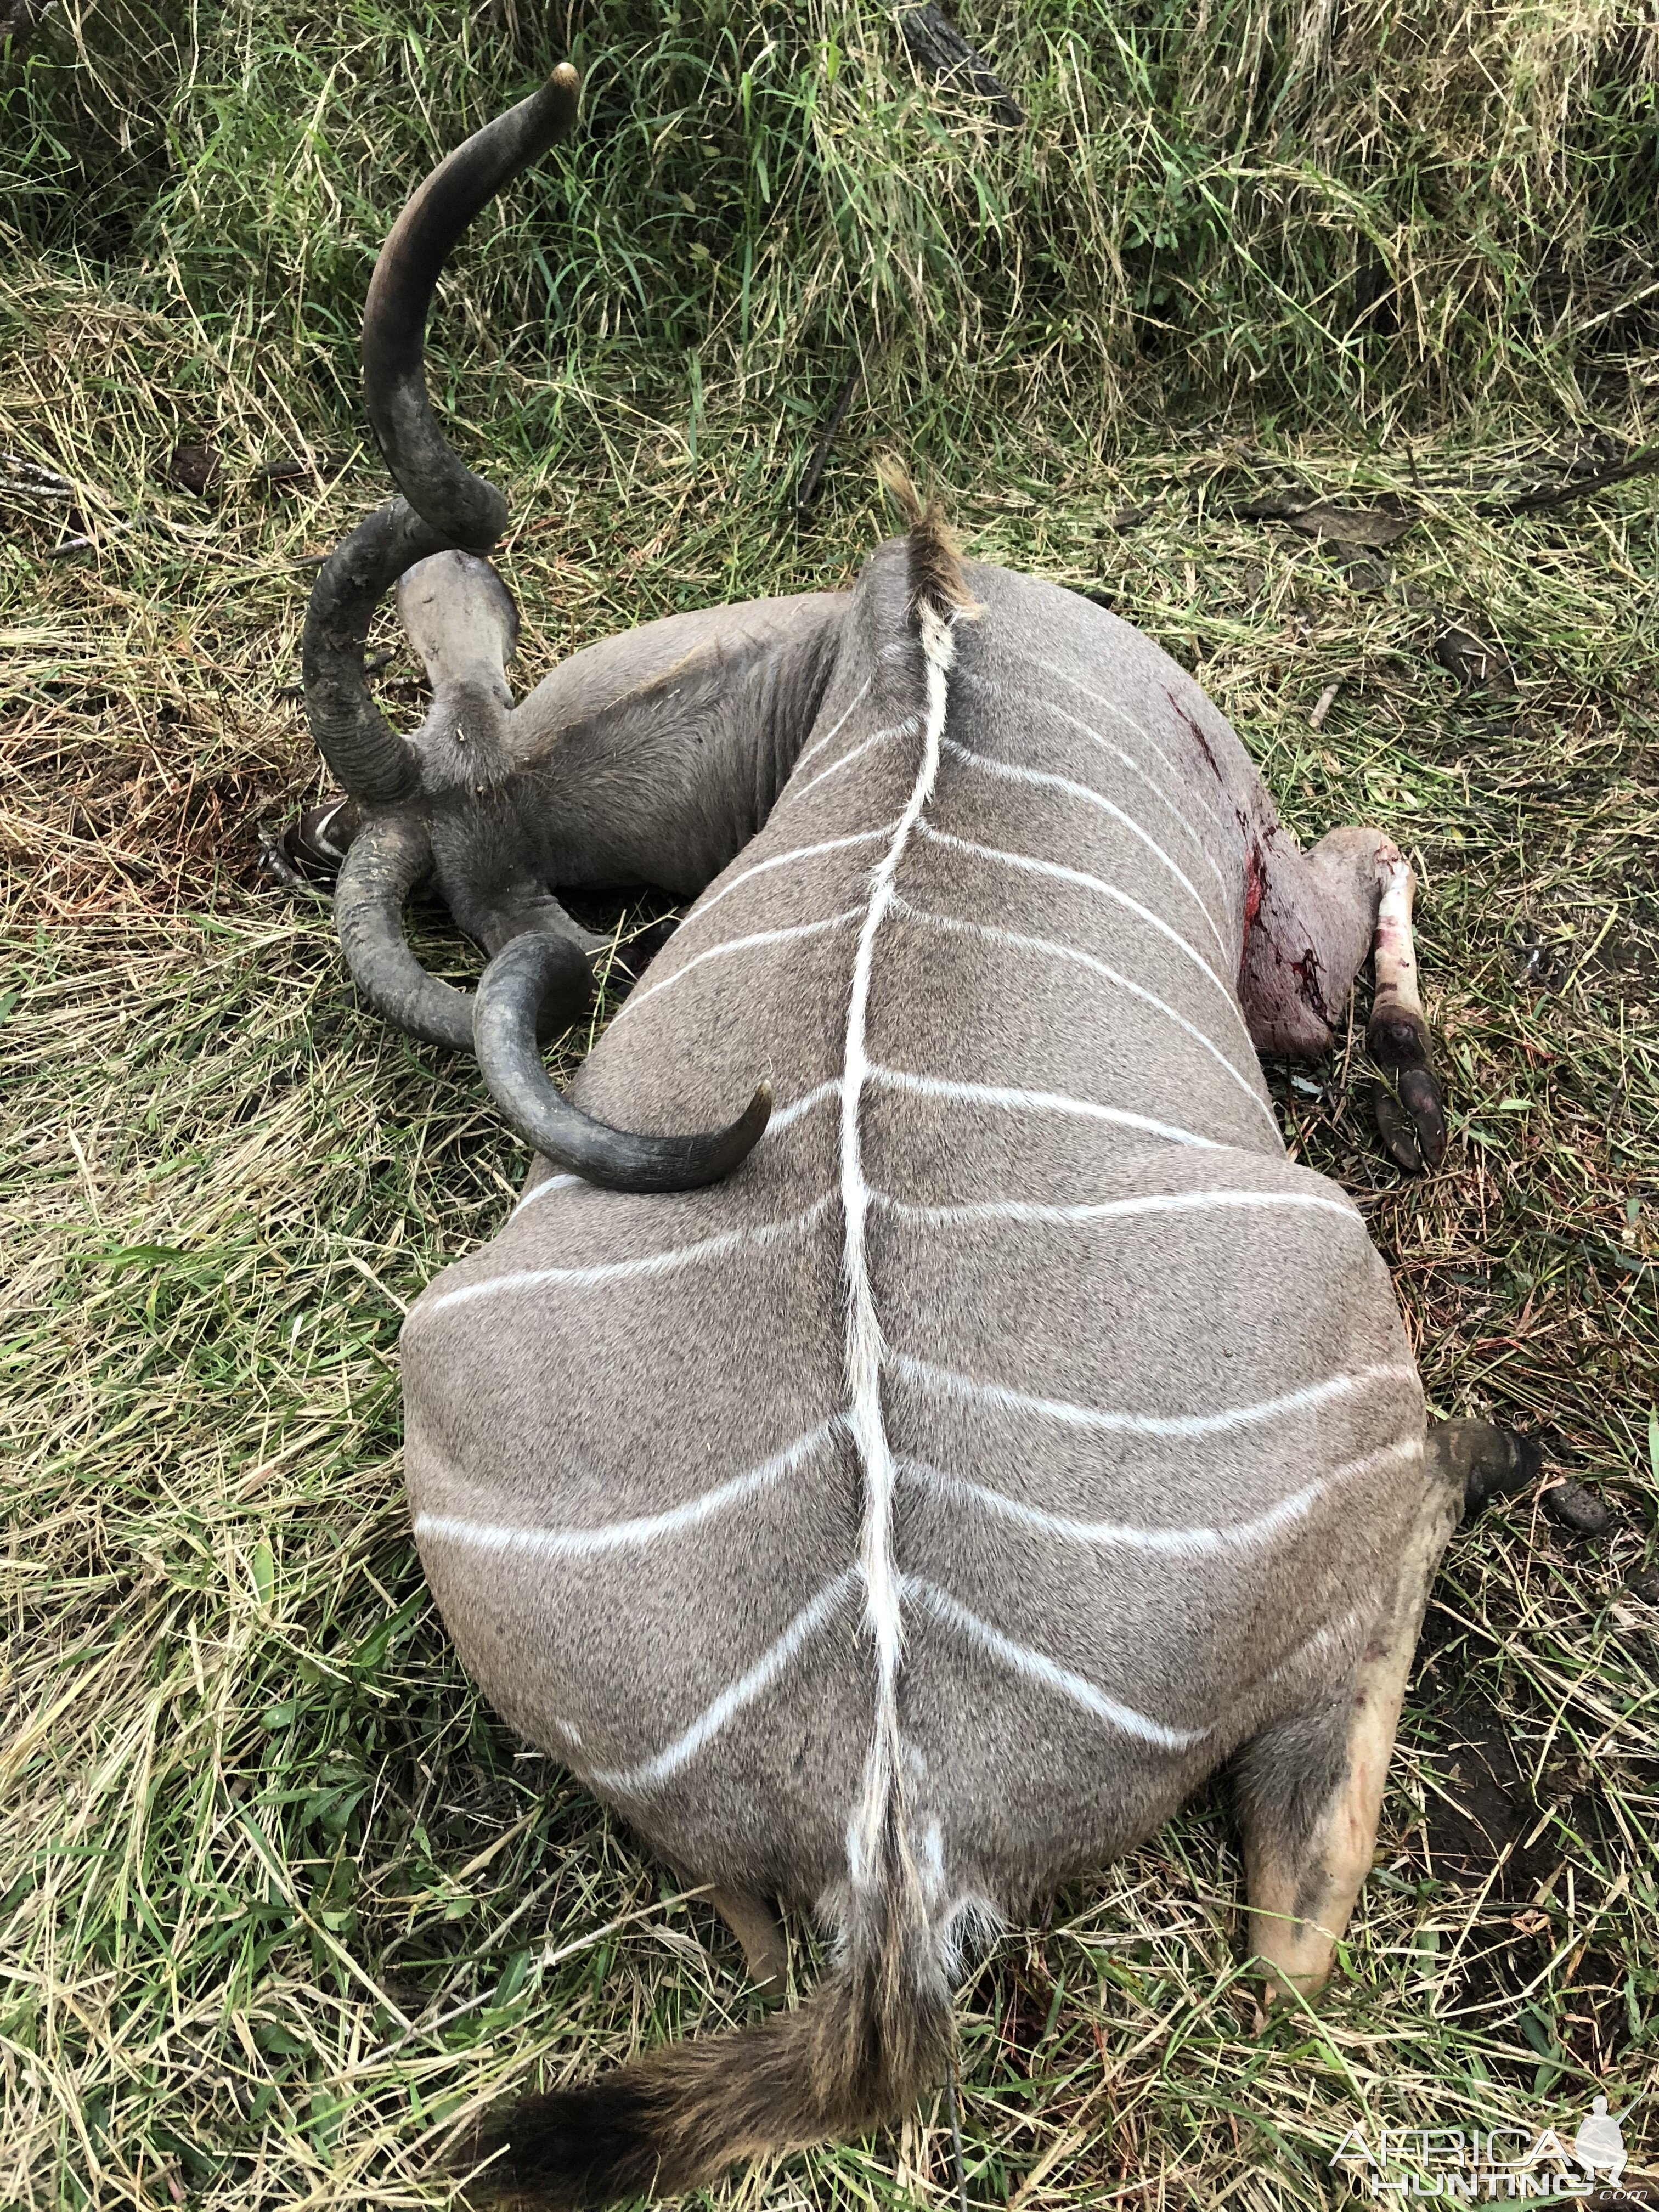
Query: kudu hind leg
(760, 1932)
(1311, 1789)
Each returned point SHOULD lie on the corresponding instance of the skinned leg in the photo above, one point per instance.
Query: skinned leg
(1409, 1112)
(1316, 916)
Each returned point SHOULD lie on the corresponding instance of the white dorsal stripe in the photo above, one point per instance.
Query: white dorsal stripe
(547, 1184)
(783, 860)
(1017, 941)
(638, 999)
(946, 1384)
(1050, 668)
(1058, 874)
(1037, 1667)
(1110, 1209)
(1043, 1101)
(1127, 759)
(509, 1540)
(907, 728)
(834, 729)
(1043, 781)
(1198, 1542)
(864, 1350)
(748, 1686)
(613, 1271)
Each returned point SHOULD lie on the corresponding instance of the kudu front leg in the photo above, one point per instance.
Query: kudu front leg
(1311, 1789)
(1409, 1113)
(1317, 915)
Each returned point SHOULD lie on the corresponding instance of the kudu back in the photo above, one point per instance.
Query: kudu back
(898, 1497)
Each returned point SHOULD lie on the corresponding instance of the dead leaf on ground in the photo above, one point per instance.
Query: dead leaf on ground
(194, 468)
(1384, 524)
(1474, 662)
(277, 476)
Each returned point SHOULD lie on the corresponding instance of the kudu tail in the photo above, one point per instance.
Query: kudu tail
(874, 2035)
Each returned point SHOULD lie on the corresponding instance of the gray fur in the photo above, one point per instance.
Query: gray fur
(545, 1394)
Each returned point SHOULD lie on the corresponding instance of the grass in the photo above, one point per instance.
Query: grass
(280, 1901)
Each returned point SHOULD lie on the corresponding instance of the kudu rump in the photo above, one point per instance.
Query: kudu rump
(897, 1498)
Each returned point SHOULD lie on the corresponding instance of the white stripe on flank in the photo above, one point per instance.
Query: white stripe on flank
(783, 1116)
(834, 730)
(1334, 1633)
(1038, 1667)
(547, 1184)
(735, 944)
(1075, 790)
(942, 1380)
(508, 1541)
(1019, 942)
(1223, 822)
(631, 1780)
(1182, 1201)
(1128, 761)
(1045, 1101)
(864, 1347)
(1053, 868)
(653, 1263)
(907, 728)
(1198, 1542)
(782, 860)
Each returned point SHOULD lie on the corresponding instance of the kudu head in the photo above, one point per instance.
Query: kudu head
(446, 805)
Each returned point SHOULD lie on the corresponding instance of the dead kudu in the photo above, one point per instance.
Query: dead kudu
(898, 1497)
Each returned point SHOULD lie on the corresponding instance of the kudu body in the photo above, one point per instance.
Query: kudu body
(912, 1514)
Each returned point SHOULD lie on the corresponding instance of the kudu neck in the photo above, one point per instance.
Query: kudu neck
(667, 779)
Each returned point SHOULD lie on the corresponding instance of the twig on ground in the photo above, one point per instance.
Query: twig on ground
(1642, 463)
(814, 469)
(939, 50)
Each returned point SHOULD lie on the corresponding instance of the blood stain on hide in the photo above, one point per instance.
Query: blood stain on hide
(1306, 972)
(1198, 738)
(1255, 885)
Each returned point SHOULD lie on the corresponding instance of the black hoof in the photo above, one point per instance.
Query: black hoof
(1411, 1117)
(1511, 1463)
